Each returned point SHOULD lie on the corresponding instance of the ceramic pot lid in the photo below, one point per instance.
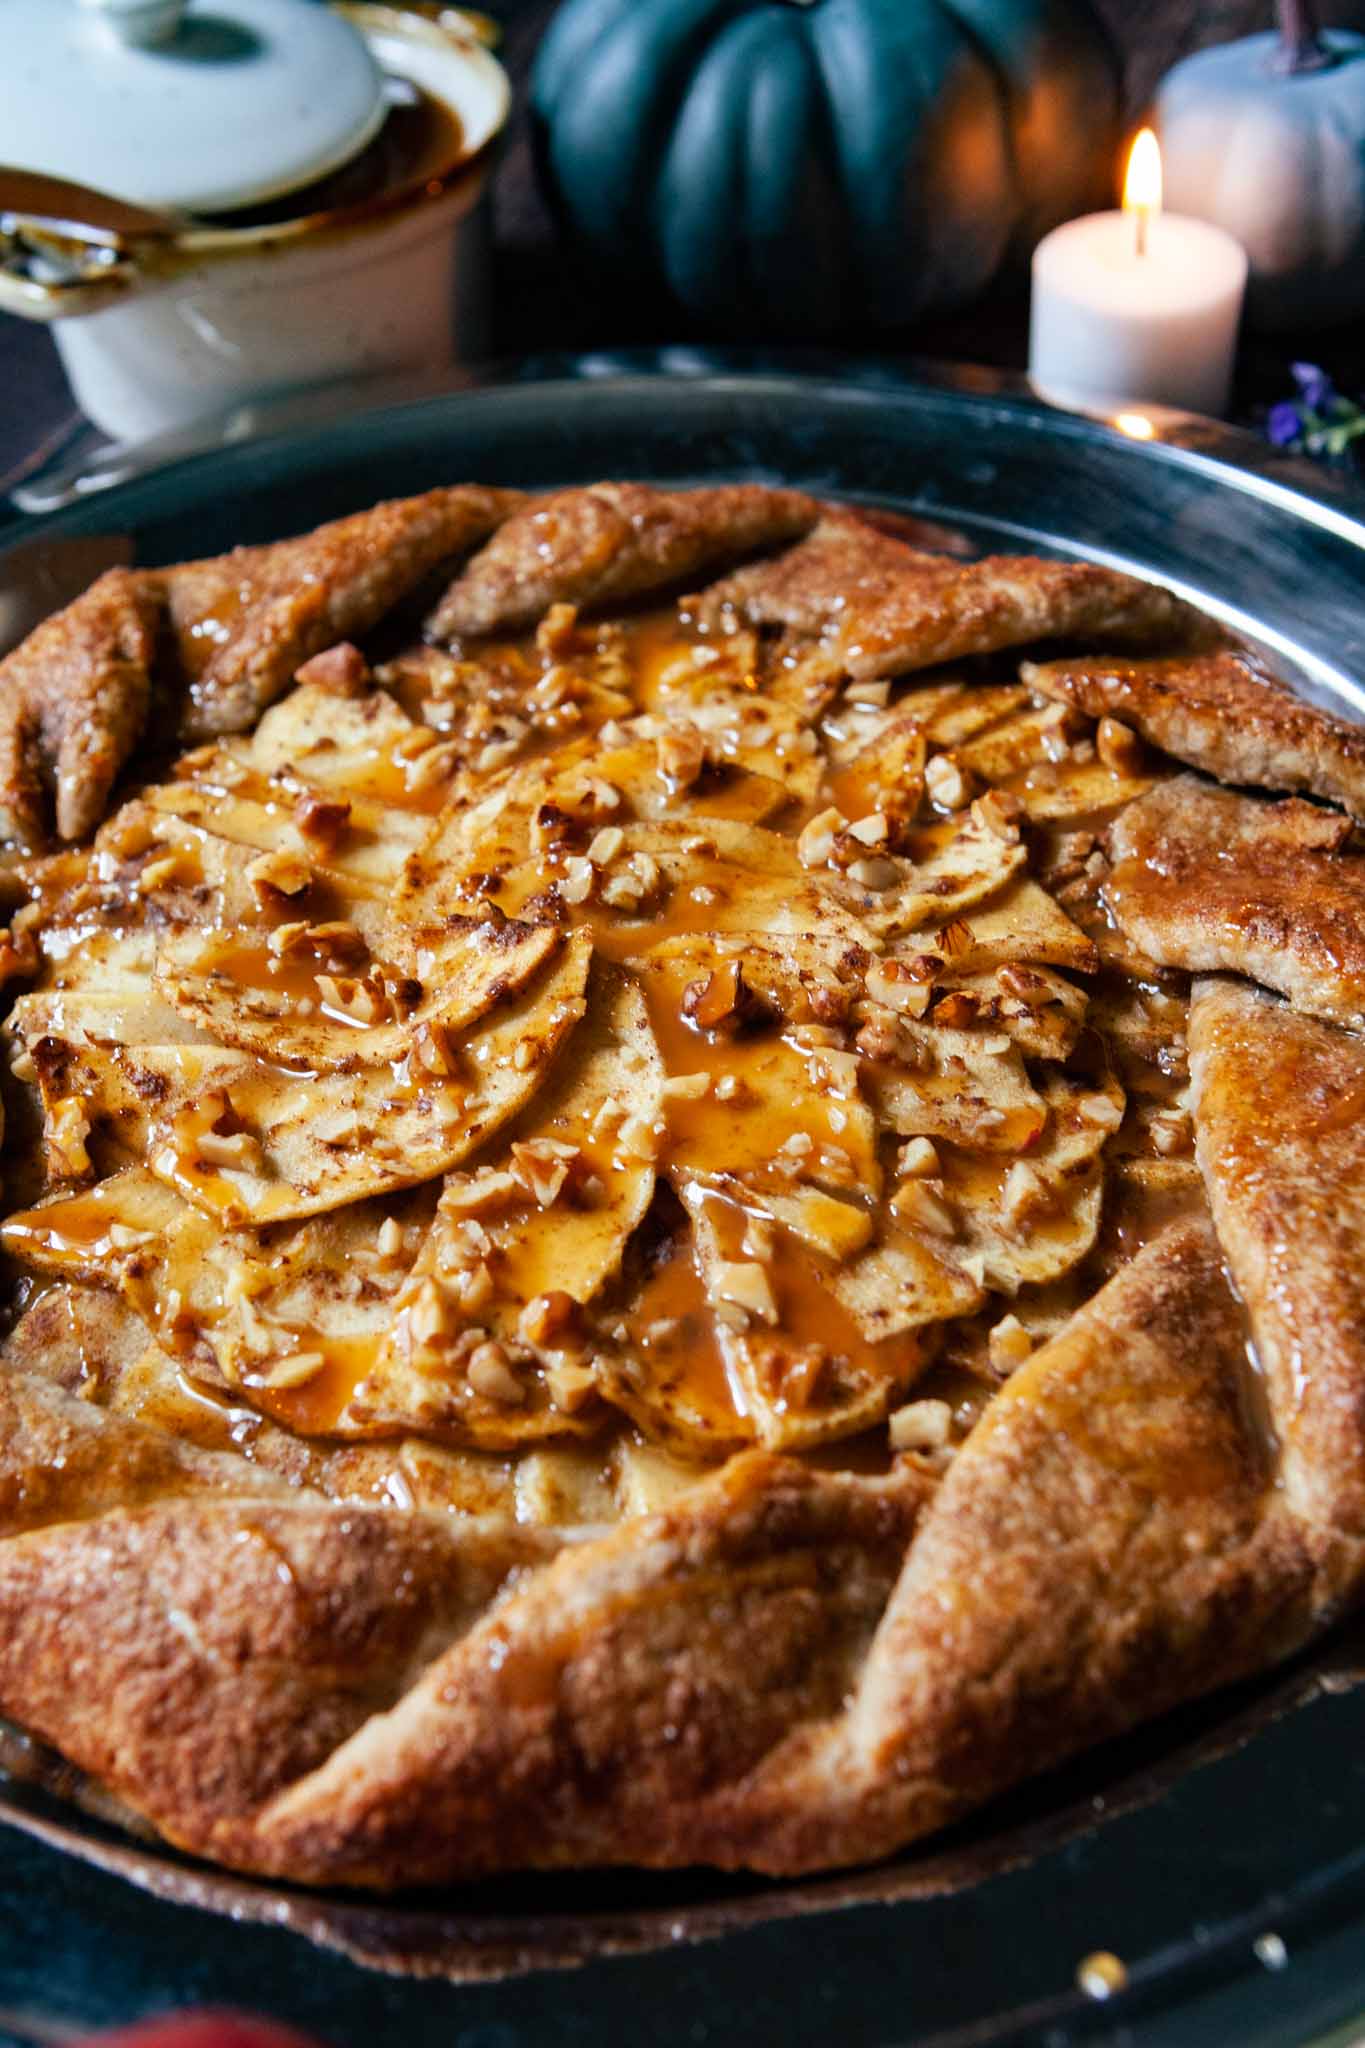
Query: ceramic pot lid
(202, 107)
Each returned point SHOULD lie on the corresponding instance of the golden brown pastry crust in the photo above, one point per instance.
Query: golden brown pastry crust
(890, 609)
(1279, 1109)
(225, 637)
(243, 623)
(596, 546)
(784, 1667)
(1217, 712)
(787, 1670)
(1205, 879)
(73, 698)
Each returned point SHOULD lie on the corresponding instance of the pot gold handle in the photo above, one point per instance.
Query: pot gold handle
(66, 249)
(466, 20)
(481, 26)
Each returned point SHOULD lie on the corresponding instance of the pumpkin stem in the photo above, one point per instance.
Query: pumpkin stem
(1301, 45)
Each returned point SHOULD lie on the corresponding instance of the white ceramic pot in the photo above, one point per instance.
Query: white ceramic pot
(155, 333)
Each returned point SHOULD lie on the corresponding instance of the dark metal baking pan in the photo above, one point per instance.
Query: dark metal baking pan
(1181, 1848)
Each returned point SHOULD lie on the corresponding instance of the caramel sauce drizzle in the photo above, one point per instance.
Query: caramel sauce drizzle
(760, 1095)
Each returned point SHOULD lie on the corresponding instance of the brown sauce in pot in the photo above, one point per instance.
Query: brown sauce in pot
(421, 138)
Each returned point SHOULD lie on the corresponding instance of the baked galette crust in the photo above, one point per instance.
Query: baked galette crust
(628, 1243)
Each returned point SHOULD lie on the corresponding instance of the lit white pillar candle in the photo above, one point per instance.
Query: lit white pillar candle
(1138, 304)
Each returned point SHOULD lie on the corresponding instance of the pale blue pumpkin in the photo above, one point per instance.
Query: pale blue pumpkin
(796, 169)
(1266, 137)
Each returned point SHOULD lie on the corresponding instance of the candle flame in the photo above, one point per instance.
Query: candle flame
(1135, 425)
(1142, 184)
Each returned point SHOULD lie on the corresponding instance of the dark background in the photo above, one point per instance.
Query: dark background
(541, 301)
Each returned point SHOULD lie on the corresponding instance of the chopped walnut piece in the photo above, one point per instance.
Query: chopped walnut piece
(803, 1375)
(686, 1087)
(428, 1317)
(552, 827)
(342, 1127)
(604, 845)
(868, 696)
(125, 1239)
(1070, 852)
(490, 1374)
(239, 1150)
(65, 1132)
(473, 1288)
(682, 756)
(834, 1071)
(1119, 747)
(998, 813)
(555, 633)
(278, 874)
(509, 737)
(1025, 1195)
(295, 1369)
(549, 1319)
(746, 1288)
(556, 692)
(433, 1050)
(409, 745)
(879, 1035)
(340, 942)
(878, 874)
(630, 885)
(468, 1240)
(918, 1159)
(491, 1188)
(570, 1385)
(358, 1001)
(958, 1009)
(1009, 1344)
(1025, 984)
(600, 795)
(925, 1208)
(543, 1165)
(921, 1426)
(580, 879)
(1100, 1111)
(948, 783)
(18, 954)
(955, 939)
(127, 837)
(903, 985)
(288, 938)
(158, 872)
(815, 846)
(872, 830)
(322, 820)
(342, 669)
(1171, 1132)
(435, 765)
(725, 1002)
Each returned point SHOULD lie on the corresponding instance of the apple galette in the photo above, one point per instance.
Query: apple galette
(683, 1183)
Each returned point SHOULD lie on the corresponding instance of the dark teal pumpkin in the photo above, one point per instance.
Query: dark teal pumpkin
(786, 168)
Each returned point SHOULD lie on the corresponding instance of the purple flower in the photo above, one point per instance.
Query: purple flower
(1283, 427)
(1315, 386)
